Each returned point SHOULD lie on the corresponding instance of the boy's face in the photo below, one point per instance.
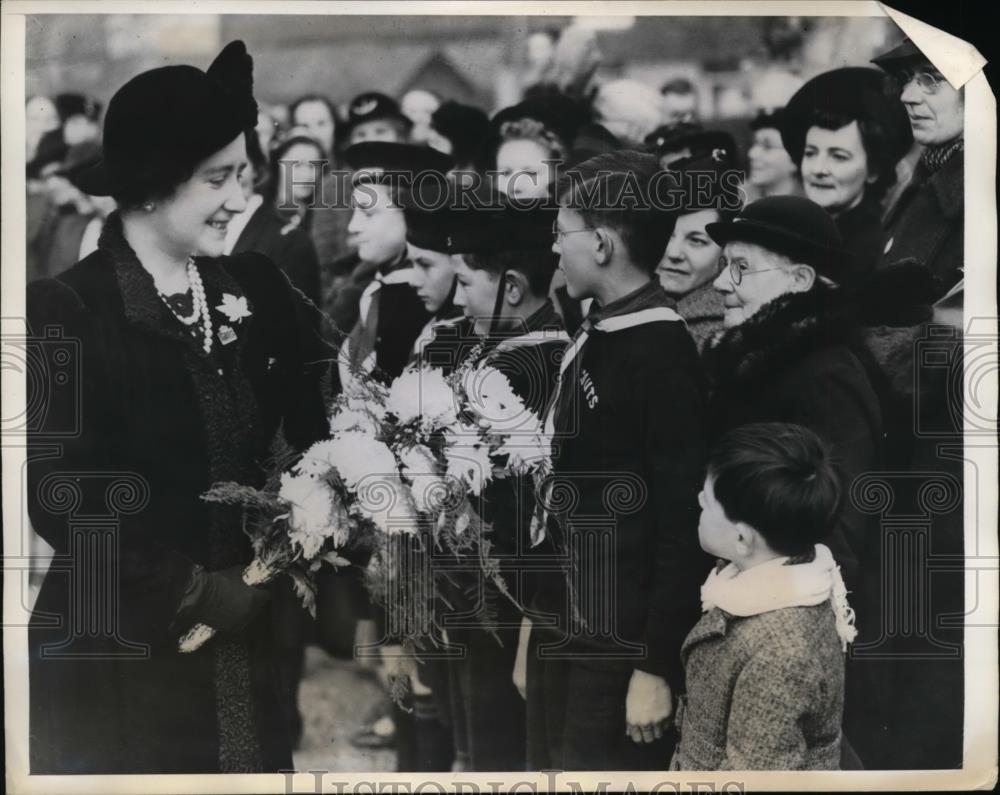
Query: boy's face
(476, 293)
(433, 276)
(717, 534)
(377, 228)
(574, 243)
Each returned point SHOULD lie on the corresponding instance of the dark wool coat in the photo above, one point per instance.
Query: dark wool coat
(764, 692)
(147, 424)
(796, 360)
(286, 245)
(927, 223)
(631, 436)
(864, 237)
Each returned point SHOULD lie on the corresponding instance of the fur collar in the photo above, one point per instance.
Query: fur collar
(781, 333)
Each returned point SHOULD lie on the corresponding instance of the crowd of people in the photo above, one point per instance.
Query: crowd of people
(748, 349)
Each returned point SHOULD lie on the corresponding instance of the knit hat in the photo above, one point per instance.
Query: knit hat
(173, 114)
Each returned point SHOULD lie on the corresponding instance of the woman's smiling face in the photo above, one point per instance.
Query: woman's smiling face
(194, 219)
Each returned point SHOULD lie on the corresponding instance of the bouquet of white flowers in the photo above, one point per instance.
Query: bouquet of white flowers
(395, 476)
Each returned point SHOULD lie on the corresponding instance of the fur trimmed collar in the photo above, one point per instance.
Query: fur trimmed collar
(782, 332)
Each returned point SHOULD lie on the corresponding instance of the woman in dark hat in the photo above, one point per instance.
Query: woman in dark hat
(460, 131)
(187, 364)
(791, 351)
(846, 131)
(771, 171)
(710, 186)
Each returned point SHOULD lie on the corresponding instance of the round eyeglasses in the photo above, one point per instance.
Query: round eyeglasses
(736, 273)
(928, 82)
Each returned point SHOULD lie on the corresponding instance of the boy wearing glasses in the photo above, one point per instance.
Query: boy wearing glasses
(629, 436)
(927, 221)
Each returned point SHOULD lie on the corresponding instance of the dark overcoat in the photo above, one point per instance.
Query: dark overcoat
(927, 223)
(140, 426)
(797, 360)
(287, 245)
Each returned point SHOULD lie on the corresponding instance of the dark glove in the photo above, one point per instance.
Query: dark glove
(220, 599)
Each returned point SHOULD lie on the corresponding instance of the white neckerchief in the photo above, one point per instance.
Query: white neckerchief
(533, 338)
(615, 323)
(775, 586)
(398, 276)
(239, 222)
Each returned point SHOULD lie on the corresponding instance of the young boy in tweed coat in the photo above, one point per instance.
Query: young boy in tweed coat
(765, 664)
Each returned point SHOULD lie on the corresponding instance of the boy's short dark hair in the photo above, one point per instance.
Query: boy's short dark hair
(780, 479)
(617, 190)
(537, 265)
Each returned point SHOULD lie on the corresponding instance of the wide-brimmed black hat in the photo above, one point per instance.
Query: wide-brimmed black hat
(372, 106)
(174, 114)
(789, 225)
(853, 92)
(905, 52)
(388, 161)
(79, 157)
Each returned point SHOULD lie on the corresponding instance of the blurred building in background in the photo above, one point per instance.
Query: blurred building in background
(736, 64)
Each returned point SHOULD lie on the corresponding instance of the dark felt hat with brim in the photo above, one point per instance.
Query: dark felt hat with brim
(903, 53)
(174, 114)
(391, 162)
(790, 225)
(858, 93)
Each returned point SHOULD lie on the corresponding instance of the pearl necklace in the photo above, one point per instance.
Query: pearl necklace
(200, 306)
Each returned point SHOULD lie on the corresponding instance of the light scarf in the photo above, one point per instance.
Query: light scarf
(775, 585)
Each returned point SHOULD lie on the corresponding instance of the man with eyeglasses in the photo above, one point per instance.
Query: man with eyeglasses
(926, 223)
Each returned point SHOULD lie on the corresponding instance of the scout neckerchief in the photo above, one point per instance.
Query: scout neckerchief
(645, 305)
(357, 353)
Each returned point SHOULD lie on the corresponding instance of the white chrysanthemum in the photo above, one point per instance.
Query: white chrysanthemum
(358, 456)
(421, 469)
(311, 511)
(491, 397)
(470, 462)
(386, 502)
(422, 394)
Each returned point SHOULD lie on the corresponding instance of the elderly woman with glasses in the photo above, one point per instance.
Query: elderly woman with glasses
(927, 222)
(789, 352)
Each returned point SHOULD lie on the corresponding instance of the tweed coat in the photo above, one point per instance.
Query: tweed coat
(765, 692)
(129, 446)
